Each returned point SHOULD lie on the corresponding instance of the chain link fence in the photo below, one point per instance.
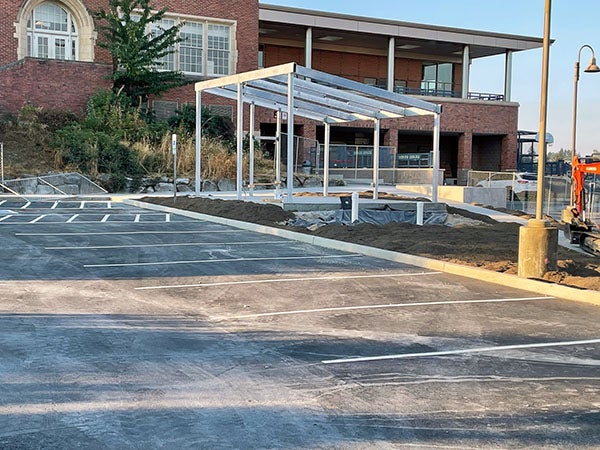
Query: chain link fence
(522, 196)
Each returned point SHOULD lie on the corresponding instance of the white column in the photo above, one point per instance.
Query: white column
(240, 140)
(508, 76)
(376, 160)
(198, 182)
(391, 64)
(290, 137)
(436, 158)
(308, 49)
(251, 159)
(466, 69)
(326, 160)
(278, 153)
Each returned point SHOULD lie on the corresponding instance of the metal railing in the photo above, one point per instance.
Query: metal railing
(63, 184)
(448, 92)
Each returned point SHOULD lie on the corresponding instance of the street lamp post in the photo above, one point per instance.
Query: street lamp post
(538, 241)
(591, 68)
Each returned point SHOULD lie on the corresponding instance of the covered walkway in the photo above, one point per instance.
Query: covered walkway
(293, 90)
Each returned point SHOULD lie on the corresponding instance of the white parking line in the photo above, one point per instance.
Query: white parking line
(389, 305)
(82, 205)
(167, 217)
(137, 218)
(108, 205)
(105, 218)
(26, 205)
(101, 233)
(182, 244)
(54, 205)
(2, 202)
(461, 351)
(72, 218)
(289, 280)
(38, 218)
(6, 217)
(229, 260)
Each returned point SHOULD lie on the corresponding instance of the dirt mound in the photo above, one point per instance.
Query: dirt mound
(492, 245)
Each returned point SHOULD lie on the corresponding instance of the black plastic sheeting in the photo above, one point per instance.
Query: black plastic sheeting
(372, 216)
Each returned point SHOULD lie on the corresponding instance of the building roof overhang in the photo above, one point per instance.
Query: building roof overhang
(280, 23)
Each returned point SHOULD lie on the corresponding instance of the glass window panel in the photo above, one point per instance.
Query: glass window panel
(445, 73)
(60, 49)
(42, 47)
(50, 17)
(429, 72)
(218, 49)
(190, 48)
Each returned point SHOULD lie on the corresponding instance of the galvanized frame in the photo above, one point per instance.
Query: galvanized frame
(314, 95)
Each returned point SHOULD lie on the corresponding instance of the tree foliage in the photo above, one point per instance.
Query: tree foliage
(136, 53)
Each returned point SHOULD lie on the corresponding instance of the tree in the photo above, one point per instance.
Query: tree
(136, 53)
(562, 154)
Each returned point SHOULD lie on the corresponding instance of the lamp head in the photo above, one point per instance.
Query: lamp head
(592, 68)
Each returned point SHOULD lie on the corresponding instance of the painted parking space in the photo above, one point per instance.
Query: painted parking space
(164, 325)
(94, 240)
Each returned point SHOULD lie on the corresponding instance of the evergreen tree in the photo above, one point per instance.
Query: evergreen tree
(136, 53)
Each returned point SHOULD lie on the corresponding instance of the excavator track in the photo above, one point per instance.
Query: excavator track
(590, 242)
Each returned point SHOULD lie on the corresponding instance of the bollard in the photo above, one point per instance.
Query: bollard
(354, 213)
(420, 206)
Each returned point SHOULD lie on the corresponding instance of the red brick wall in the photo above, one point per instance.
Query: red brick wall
(65, 81)
(353, 65)
(65, 85)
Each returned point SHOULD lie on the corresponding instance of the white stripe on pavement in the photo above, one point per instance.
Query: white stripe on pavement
(203, 261)
(389, 305)
(499, 348)
(179, 244)
(287, 280)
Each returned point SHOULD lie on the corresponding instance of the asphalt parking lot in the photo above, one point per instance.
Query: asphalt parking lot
(126, 328)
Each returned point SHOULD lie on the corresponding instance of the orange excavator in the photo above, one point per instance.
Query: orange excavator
(579, 229)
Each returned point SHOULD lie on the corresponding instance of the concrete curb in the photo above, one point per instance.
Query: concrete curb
(537, 286)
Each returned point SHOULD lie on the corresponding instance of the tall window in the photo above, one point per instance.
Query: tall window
(437, 79)
(51, 33)
(205, 47)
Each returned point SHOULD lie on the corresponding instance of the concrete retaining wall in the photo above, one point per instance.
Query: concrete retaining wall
(495, 197)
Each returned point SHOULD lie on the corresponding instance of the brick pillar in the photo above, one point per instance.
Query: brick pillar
(390, 138)
(508, 160)
(465, 156)
(309, 131)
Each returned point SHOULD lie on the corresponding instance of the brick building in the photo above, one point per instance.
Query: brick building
(49, 57)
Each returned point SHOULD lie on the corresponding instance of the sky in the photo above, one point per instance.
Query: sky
(573, 24)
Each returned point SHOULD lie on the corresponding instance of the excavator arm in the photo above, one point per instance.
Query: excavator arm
(578, 228)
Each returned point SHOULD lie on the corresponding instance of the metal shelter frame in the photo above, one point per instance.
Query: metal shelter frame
(329, 99)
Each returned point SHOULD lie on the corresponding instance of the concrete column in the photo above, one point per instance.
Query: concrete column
(308, 49)
(538, 249)
(391, 64)
(508, 76)
(466, 70)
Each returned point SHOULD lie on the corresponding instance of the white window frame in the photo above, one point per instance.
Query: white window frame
(207, 66)
(70, 37)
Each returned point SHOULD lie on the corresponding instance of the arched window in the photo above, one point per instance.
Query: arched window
(52, 33)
